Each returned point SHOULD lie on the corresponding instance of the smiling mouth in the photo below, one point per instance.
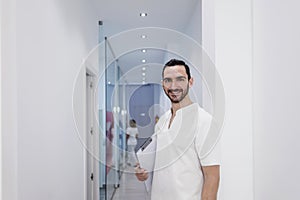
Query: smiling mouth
(174, 93)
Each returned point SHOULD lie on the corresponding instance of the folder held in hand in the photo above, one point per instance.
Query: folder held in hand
(146, 158)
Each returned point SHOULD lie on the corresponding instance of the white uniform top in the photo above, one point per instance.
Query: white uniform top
(132, 132)
(177, 172)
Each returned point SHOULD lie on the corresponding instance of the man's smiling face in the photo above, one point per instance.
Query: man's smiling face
(175, 83)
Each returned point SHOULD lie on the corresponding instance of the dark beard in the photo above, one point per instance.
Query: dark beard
(176, 90)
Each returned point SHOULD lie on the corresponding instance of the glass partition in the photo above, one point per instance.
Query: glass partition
(113, 118)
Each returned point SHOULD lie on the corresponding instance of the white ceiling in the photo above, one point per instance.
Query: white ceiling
(122, 15)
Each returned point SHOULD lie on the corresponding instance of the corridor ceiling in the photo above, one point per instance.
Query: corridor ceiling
(123, 15)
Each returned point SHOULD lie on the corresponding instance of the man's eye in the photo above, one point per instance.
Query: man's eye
(167, 80)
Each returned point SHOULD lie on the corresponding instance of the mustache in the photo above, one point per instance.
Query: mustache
(175, 90)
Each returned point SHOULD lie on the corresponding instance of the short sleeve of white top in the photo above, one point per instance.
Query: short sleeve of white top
(183, 179)
(213, 153)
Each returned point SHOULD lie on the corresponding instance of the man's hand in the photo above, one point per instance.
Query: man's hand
(141, 173)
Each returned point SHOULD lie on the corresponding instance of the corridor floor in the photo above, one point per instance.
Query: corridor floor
(130, 188)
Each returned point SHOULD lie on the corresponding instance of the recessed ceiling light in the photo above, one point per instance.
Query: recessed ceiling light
(144, 78)
(144, 50)
(143, 61)
(143, 36)
(143, 82)
(143, 14)
(143, 74)
(144, 68)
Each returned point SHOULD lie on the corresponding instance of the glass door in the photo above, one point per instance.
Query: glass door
(112, 121)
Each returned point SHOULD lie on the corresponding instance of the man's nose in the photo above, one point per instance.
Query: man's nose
(174, 84)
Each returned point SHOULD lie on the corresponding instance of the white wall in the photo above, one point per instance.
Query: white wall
(194, 28)
(257, 46)
(233, 57)
(208, 42)
(276, 87)
(47, 41)
(9, 100)
(0, 103)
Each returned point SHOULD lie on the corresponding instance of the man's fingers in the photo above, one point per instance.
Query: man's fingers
(137, 167)
(141, 174)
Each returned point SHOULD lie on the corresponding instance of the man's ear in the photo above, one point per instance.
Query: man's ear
(191, 82)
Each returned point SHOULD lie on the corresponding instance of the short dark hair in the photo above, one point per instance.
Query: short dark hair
(132, 123)
(174, 62)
